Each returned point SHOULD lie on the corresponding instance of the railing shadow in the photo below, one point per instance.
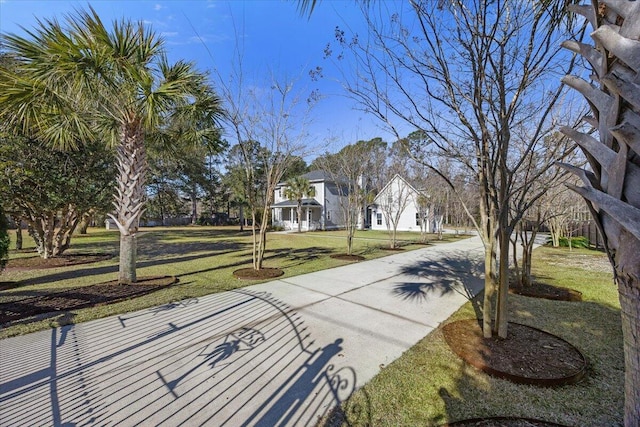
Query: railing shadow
(235, 358)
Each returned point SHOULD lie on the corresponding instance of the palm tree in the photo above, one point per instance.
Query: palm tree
(83, 81)
(612, 185)
(297, 189)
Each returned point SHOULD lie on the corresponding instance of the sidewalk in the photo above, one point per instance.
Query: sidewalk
(278, 353)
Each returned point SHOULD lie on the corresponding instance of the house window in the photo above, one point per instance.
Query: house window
(328, 215)
(390, 199)
(280, 193)
(379, 219)
(417, 218)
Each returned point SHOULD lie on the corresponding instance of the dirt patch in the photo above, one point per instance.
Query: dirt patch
(263, 273)
(542, 290)
(36, 262)
(387, 248)
(502, 422)
(83, 297)
(527, 356)
(347, 257)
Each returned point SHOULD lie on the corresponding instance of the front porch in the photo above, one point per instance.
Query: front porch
(285, 215)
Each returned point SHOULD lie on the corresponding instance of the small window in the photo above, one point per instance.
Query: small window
(280, 193)
(328, 215)
(379, 219)
(417, 218)
(390, 199)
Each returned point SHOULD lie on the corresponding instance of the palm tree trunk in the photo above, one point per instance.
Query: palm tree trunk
(610, 186)
(132, 170)
(627, 271)
(629, 290)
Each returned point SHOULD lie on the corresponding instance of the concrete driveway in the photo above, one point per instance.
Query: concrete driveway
(279, 353)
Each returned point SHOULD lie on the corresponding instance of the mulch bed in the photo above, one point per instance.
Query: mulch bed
(387, 248)
(83, 297)
(347, 257)
(502, 422)
(36, 262)
(542, 290)
(263, 273)
(527, 356)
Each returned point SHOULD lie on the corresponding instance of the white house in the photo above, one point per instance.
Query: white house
(400, 203)
(321, 212)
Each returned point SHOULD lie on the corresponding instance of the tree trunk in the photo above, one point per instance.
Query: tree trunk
(128, 255)
(262, 242)
(489, 290)
(18, 221)
(610, 186)
(87, 217)
(502, 318)
(629, 290)
(130, 198)
(627, 272)
(194, 210)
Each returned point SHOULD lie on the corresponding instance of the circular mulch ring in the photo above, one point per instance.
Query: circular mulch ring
(502, 422)
(542, 290)
(527, 356)
(347, 257)
(263, 273)
(81, 297)
(36, 262)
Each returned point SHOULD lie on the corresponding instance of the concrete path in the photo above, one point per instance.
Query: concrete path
(279, 353)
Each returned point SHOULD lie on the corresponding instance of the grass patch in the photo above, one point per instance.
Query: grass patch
(203, 258)
(430, 385)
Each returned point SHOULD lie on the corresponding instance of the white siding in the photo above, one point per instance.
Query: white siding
(404, 198)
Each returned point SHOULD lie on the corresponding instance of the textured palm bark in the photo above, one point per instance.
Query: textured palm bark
(612, 186)
(628, 274)
(129, 201)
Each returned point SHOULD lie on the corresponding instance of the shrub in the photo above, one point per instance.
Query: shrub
(576, 242)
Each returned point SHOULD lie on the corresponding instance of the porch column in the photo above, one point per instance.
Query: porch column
(291, 217)
(308, 220)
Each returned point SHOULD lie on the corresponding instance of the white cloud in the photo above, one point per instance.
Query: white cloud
(158, 6)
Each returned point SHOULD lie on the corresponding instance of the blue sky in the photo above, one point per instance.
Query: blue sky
(275, 38)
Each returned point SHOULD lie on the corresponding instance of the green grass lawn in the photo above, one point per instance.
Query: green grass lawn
(430, 385)
(203, 258)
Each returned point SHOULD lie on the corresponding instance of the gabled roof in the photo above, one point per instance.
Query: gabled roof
(317, 175)
(398, 176)
(313, 176)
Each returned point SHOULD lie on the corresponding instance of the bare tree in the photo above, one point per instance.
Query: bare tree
(349, 169)
(465, 76)
(393, 200)
(269, 121)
